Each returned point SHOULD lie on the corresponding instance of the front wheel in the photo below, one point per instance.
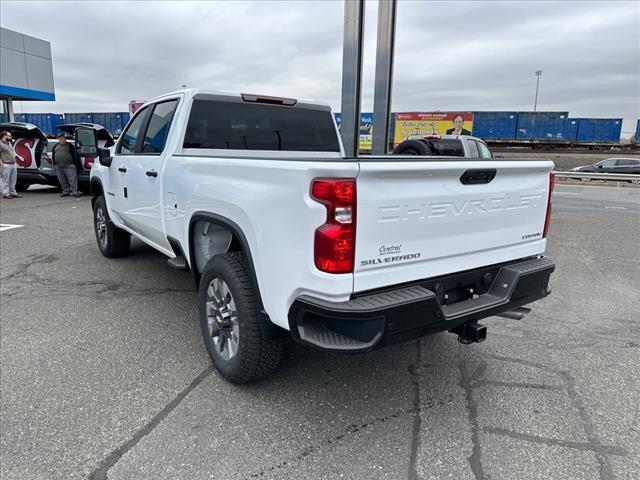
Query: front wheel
(112, 241)
(230, 321)
(22, 186)
(635, 181)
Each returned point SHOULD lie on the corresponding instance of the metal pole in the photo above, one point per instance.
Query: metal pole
(10, 114)
(384, 76)
(535, 102)
(352, 75)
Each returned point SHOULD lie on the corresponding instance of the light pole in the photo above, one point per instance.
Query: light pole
(535, 102)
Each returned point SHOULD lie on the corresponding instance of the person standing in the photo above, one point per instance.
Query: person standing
(8, 166)
(63, 156)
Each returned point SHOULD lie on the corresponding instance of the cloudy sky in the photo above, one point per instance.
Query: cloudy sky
(449, 55)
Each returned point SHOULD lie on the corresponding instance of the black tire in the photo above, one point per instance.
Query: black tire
(22, 187)
(112, 241)
(412, 147)
(255, 355)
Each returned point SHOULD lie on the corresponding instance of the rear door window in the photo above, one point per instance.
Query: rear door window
(446, 147)
(253, 126)
(626, 162)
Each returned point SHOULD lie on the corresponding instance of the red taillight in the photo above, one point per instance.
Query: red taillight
(335, 241)
(547, 220)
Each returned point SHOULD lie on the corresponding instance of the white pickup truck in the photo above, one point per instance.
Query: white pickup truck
(284, 235)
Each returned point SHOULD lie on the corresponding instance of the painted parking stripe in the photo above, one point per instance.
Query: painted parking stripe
(6, 226)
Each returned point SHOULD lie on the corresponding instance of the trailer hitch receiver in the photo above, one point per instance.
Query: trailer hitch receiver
(470, 332)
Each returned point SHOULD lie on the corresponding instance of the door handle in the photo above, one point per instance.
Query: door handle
(478, 176)
(152, 173)
(122, 169)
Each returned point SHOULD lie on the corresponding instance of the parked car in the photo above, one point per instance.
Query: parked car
(444, 145)
(31, 159)
(85, 162)
(255, 197)
(33, 153)
(612, 165)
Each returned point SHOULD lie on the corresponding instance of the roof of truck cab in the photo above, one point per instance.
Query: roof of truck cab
(192, 92)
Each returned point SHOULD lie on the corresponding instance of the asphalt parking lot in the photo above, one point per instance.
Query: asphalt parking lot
(104, 374)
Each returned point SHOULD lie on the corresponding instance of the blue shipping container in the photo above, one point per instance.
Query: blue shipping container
(47, 122)
(606, 130)
(75, 118)
(126, 116)
(495, 125)
(571, 130)
(112, 121)
(638, 132)
(542, 125)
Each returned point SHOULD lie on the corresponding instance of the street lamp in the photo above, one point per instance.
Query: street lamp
(535, 102)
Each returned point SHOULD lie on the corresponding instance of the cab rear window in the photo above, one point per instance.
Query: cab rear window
(446, 147)
(251, 126)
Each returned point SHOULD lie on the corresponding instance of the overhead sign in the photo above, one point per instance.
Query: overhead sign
(432, 123)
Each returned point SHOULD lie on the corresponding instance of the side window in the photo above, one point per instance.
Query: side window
(484, 150)
(607, 163)
(130, 135)
(473, 149)
(158, 129)
(628, 162)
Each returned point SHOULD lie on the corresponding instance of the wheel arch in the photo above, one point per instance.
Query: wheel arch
(95, 188)
(238, 242)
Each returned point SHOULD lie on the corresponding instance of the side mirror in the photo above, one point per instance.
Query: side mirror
(599, 166)
(104, 156)
(499, 156)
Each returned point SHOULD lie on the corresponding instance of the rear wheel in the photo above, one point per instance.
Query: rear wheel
(112, 241)
(230, 321)
(22, 186)
(635, 181)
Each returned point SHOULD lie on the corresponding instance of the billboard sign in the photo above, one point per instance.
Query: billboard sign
(432, 123)
(366, 128)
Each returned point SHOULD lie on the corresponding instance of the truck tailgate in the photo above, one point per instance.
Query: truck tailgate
(420, 219)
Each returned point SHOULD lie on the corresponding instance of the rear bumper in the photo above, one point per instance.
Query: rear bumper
(406, 312)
